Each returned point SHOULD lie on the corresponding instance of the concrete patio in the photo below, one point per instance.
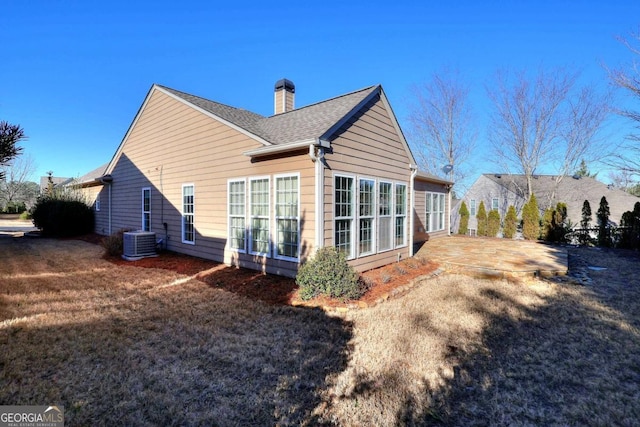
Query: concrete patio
(496, 258)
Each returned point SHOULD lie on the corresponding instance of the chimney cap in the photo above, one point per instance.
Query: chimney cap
(285, 84)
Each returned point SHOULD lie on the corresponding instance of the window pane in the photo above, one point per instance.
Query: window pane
(385, 231)
(401, 199)
(366, 235)
(188, 233)
(400, 231)
(287, 220)
(343, 236)
(343, 196)
(366, 198)
(384, 206)
(260, 235)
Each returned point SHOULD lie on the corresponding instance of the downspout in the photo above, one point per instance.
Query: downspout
(449, 186)
(414, 172)
(319, 190)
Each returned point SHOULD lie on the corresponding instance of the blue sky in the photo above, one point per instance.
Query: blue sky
(75, 73)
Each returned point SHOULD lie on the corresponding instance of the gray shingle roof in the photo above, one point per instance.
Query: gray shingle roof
(571, 191)
(312, 121)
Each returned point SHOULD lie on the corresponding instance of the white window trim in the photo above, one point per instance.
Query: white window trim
(229, 216)
(497, 200)
(472, 208)
(188, 242)
(391, 231)
(268, 217)
(96, 205)
(436, 216)
(353, 216)
(405, 216)
(276, 217)
(373, 217)
(143, 211)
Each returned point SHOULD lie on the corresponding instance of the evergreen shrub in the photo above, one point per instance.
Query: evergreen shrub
(329, 274)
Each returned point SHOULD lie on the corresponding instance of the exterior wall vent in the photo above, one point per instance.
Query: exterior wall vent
(138, 244)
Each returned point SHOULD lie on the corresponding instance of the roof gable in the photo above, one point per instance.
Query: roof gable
(314, 122)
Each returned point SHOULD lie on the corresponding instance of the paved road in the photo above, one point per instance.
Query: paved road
(15, 227)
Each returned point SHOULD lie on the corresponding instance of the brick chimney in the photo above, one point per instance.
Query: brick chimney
(284, 96)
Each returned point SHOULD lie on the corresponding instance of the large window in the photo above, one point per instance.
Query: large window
(237, 212)
(385, 215)
(375, 214)
(401, 214)
(188, 229)
(495, 204)
(472, 207)
(146, 209)
(287, 217)
(366, 213)
(344, 214)
(435, 209)
(259, 207)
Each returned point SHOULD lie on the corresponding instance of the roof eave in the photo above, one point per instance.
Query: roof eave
(283, 148)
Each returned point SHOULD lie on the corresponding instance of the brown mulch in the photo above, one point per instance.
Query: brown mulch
(273, 289)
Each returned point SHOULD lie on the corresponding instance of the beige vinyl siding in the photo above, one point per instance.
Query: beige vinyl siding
(172, 144)
(94, 194)
(419, 219)
(367, 146)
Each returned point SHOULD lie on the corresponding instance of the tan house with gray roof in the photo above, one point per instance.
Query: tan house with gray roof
(226, 184)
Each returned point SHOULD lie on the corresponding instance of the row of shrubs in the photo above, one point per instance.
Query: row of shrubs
(554, 225)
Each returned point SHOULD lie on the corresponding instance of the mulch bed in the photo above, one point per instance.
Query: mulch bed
(273, 289)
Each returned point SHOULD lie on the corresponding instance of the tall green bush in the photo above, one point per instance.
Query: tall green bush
(328, 273)
(510, 223)
(531, 219)
(63, 213)
(554, 223)
(604, 230)
(464, 219)
(493, 223)
(584, 236)
(630, 221)
(481, 217)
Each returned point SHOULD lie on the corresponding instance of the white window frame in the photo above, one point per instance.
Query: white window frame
(370, 217)
(472, 208)
(495, 204)
(351, 218)
(186, 214)
(277, 217)
(96, 205)
(397, 216)
(231, 216)
(260, 217)
(434, 211)
(390, 230)
(146, 223)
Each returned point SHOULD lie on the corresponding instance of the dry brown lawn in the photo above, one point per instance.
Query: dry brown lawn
(124, 345)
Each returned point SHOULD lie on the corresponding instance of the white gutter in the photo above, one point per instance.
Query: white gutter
(414, 172)
(282, 148)
(108, 179)
(318, 159)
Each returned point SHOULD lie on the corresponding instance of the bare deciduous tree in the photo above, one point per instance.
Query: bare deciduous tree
(627, 159)
(442, 127)
(16, 186)
(546, 120)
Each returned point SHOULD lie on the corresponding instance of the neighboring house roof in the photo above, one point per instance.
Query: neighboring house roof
(285, 131)
(87, 179)
(571, 190)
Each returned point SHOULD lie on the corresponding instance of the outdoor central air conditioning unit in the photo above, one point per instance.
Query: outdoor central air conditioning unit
(138, 244)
